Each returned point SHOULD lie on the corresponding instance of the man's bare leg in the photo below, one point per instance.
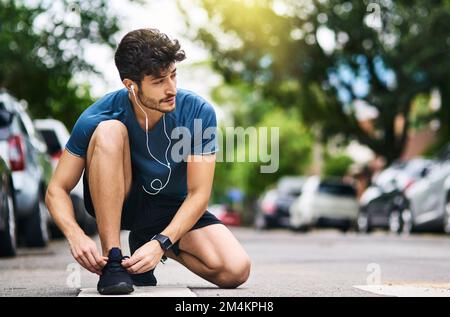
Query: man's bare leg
(108, 168)
(213, 253)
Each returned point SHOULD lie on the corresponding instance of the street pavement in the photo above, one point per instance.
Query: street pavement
(284, 263)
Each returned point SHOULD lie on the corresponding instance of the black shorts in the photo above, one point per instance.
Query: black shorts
(146, 215)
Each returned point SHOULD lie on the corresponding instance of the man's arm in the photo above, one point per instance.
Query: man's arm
(64, 179)
(57, 199)
(200, 175)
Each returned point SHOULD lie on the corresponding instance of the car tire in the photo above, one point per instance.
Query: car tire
(363, 223)
(446, 224)
(396, 221)
(8, 237)
(345, 228)
(36, 226)
(300, 229)
(408, 222)
(260, 222)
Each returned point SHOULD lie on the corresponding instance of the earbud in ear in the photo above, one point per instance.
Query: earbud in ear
(131, 87)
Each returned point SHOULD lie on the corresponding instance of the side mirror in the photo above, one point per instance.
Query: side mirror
(424, 172)
(5, 118)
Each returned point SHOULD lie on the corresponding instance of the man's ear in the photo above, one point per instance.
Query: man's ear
(130, 85)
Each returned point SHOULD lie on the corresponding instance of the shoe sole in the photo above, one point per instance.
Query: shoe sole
(118, 289)
(144, 284)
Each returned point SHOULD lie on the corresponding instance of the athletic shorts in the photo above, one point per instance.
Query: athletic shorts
(146, 215)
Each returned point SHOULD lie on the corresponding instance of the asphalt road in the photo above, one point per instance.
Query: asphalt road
(284, 263)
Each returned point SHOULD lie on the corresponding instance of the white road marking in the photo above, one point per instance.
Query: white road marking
(156, 291)
(408, 290)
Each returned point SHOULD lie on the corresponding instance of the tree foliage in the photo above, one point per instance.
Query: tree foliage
(322, 57)
(42, 48)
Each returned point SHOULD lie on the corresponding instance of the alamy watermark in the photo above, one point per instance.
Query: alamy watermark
(74, 278)
(231, 144)
(374, 278)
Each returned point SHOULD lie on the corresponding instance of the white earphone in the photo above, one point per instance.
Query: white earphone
(161, 186)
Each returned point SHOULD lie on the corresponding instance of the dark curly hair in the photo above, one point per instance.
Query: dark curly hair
(146, 52)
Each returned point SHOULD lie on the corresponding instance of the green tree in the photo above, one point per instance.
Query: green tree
(295, 151)
(42, 47)
(323, 56)
(336, 165)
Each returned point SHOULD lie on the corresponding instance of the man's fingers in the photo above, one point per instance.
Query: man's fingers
(145, 268)
(87, 265)
(132, 261)
(100, 260)
(90, 257)
(84, 263)
(135, 269)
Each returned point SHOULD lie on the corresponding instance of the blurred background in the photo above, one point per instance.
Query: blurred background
(359, 89)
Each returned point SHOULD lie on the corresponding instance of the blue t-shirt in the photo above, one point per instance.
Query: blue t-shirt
(191, 127)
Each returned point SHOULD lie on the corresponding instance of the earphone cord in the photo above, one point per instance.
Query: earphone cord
(161, 187)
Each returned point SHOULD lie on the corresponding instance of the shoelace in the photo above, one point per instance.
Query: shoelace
(115, 266)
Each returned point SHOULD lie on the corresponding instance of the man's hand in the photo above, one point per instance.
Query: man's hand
(145, 258)
(84, 250)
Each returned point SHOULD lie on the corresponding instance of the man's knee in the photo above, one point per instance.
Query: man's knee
(234, 274)
(109, 136)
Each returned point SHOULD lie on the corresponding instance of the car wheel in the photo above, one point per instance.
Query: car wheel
(364, 223)
(301, 229)
(8, 237)
(36, 227)
(260, 222)
(395, 221)
(447, 215)
(408, 221)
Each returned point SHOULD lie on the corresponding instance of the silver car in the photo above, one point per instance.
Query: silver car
(8, 229)
(31, 173)
(324, 202)
(428, 200)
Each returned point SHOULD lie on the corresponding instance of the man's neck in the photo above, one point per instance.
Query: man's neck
(153, 115)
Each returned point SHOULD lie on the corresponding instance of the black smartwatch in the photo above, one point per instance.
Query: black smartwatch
(163, 240)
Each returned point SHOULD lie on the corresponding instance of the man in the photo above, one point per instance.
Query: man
(132, 181)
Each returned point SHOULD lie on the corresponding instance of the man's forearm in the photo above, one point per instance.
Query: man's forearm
(193, 207)
(60, 207)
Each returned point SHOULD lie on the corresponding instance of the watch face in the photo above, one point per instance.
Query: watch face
(165, 241)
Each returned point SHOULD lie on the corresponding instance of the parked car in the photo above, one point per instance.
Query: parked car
(324, 203)
(380, 203)
(273, 205)
(226, 214)
(427, 201)
(8, 228)
(31, 172)
(56, 135)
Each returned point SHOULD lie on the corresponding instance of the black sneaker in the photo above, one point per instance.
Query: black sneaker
(115, 280)
(144, 279)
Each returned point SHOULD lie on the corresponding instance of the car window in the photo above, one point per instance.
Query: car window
(291, 187)
(28, 124)
(22, 126)
(51, 140)
(415, 168)
(336, 189)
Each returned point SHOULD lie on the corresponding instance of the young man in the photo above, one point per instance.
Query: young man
(133, 181)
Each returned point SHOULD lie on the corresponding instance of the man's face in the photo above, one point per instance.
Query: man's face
(158, 93)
